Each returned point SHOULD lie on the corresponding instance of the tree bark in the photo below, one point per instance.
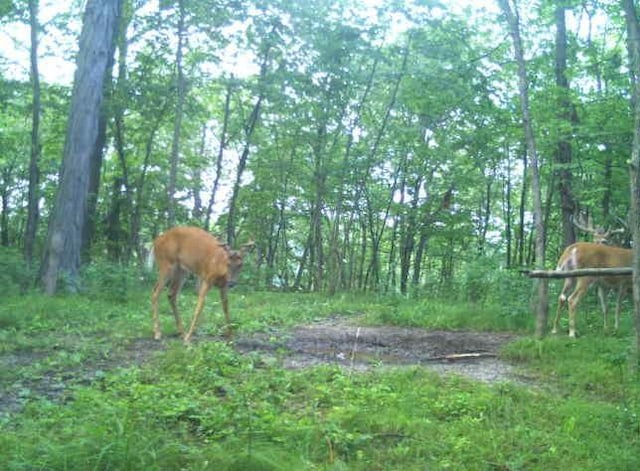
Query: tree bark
(221, 149)
(64, 240)
(249, 129)
(542, 307)
(177, 124)
(580, 272)
(633, 45)
(567, 119)
(33, 209)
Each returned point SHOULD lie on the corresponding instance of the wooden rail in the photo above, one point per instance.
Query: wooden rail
(623, 271)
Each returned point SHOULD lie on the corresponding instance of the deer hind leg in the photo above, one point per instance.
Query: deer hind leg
(562, 300)
(202, 294)
(581, 288)
(160, 284)
(177, 280)
(602, 296)
(225, 309)
(622, 291)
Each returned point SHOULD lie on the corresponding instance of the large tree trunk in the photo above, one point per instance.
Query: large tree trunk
(567, 114)
(633, 41)
(64, 239)
(33, 210)
(542, 307)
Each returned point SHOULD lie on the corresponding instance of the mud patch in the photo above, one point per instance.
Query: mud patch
(340, 341)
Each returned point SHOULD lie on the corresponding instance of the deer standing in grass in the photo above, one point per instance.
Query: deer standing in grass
(592, 255)
(183, 250)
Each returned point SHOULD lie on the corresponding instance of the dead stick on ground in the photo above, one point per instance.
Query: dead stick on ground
(462, 356)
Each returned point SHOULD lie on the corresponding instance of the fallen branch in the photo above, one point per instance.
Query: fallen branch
(462, 356)
(622, 271)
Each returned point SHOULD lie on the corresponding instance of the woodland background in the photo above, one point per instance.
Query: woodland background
(398, 164)
(363, 145)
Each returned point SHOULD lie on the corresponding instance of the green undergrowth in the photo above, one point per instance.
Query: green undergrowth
(593, 366)
(207, 407)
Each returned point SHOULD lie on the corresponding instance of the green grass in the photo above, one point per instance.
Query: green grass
(208, 407)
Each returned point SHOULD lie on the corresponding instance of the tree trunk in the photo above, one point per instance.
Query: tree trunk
(136, 217)
(33, 210)
(121, 205)
(507, 209)
(250, 127)
(64, 239)
(95, 170)
(521, 247)
(523, 86)
(566, 115)
(177, 123)
(223, 145)
(5, 194)
(633, 44)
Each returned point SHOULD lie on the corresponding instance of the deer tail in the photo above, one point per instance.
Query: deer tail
(151, 258)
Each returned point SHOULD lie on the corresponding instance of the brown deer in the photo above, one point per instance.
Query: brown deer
(183, 250)
(591, 255)
(622, 285)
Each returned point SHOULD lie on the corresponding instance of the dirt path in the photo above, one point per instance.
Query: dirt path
(334, 340)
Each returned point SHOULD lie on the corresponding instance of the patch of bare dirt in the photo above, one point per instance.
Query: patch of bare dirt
(335, 340)
(340, 341)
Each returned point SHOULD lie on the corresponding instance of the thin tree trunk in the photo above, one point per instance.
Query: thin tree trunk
(521, 246)
(177, 123)
(373, 270)
(507, 209)
(336, 265)
(136, 217)
(523, 87)
(33, 210)
(119, 243)
(196, 183)
(221, 149)
(408, 235)
(5, 194)
(250, 127)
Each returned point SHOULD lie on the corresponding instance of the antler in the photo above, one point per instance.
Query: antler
(599, 234)
(245, 248)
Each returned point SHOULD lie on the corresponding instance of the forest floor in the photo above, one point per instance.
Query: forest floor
(335, 340)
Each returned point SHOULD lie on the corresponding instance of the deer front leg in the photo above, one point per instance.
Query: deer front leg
(621, 293)
(202, 294)
(225, 309)
(562, 300)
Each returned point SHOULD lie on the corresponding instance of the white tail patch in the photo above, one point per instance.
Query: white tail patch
(151, 258)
